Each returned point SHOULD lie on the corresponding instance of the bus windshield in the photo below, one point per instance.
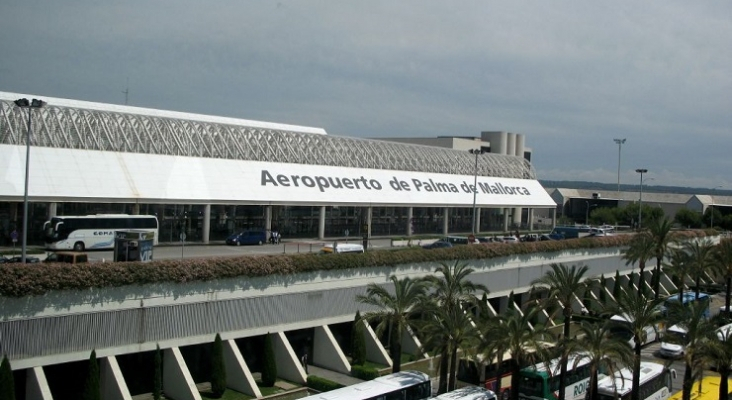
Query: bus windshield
(532, 385)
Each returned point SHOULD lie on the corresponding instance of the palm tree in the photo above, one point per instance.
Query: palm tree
(678, 267)
(642, 248)
(723, 258)
(640, 313)
(513, 333)
(394, 312)
(699, 329)
(603, 350)
(449, 331)
(718, 353)
(700, 261)
(660, 230)
(452, 290)
(561, 283)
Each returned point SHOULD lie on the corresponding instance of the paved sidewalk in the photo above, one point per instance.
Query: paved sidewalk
(343, 379)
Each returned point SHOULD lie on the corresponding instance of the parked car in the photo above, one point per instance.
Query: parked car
(247, 237)
(28, 259)
(440, 244)
(342, 248)
(69, 257)
(510, 239)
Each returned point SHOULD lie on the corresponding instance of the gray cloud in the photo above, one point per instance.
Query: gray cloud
(570, 75)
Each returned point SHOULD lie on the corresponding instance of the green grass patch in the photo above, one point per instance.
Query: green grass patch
(229, 394)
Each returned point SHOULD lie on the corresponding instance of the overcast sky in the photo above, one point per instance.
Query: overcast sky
(570, 75)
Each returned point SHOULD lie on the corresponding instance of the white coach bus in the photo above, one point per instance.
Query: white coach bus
(82, 232)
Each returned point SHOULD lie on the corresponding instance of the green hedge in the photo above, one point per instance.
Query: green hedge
(365, 373)
(35, 279)
(322, 384)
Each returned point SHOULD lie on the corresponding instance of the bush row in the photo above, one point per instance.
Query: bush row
(363, 372)
(322, 384)
(35, 279)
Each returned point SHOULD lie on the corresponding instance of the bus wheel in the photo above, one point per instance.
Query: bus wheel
(79, 246)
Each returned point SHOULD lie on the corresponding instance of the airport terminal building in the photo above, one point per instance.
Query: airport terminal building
(209, 176)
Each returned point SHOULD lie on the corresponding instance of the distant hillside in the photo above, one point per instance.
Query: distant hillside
(631, 188)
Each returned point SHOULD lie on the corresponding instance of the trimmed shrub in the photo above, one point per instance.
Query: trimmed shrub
(322, 384)
(18, 279)
(7, 382)
(218, 370)
(269, 372)
(365, 373)
(358, 343)
(91, 386)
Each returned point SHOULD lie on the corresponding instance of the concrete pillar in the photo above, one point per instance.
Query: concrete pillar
(112, 383)
(410, 343)
(36, 385)
(477, 219)
(511, 144)
(177, 381)
(206, 223)
(520, 145)
(52, 210)
(288, 364)
(498, 141)
(516, 220)
(410, 216)
(554, 217)
(375, 351)
(445, 221)
(531, 219)
(268, 222)
(321, 223)
(136, 209)
(369, 217)
(238, 376)
(327, 353)
(505, 219)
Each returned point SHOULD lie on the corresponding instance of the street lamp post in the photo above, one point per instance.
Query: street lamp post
(30, 105)
(641, 171)
(477, 152)
(620, 143)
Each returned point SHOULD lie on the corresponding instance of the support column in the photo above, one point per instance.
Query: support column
(410, 215)
(321, 223)
(531, 219)
(36, 385)
(136, 209)
(516, 220)
(268, 222)
(288, 364)
(52, 210)
(369, 217)
(505, 219)
(327, 353)
(177, 381)
(238, 376)
(112, 383)
(206, 223)
(477, 219)
(554, 218)
(375, 351)
(445, 221)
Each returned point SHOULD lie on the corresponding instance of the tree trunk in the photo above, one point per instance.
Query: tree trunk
(641, 278)
(563, 361)
(697, 281)
(451, 383)
(444, 370)
(657, 283)
(499, 363)
(592, 390)
(723, 384)
(515, 380)
(728, 294)
(635, 394)
(688, 382)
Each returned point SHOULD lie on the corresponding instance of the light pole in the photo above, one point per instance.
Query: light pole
(30, 105)
(641, 171)
(477, 152)
(712, 213)
(620, 143)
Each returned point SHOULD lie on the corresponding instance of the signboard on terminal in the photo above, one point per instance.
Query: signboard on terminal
(177, 179)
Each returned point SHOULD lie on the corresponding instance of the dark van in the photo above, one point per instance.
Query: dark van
(254, 236)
